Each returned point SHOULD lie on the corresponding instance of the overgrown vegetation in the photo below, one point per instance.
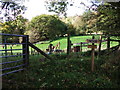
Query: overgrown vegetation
(73, 71)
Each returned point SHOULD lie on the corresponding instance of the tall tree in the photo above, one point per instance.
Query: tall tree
(46, 27)
(109, 18)
(90, 21)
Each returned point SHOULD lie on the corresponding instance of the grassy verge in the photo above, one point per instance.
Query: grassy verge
(73, 71)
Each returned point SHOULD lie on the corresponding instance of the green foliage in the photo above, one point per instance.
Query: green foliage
(46, 27)
(11, 9)
(77, 23)
(17, 26)
(73, 71)
(90, 22)
(109, 20)
(71, 29)
(112, 63)
(58, 6)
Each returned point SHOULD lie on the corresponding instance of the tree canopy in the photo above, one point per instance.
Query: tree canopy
(17, 26)
(109, 18)
(44, 27)
(104, 17)
(10, 9)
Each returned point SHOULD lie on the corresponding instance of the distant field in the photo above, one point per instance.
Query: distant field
(74, 39)
(63, 43)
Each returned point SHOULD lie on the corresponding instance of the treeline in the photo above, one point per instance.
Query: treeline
(42, 27)
(106, 19)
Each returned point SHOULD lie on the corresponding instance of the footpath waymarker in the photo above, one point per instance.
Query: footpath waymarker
(93, 47)
(92, 41)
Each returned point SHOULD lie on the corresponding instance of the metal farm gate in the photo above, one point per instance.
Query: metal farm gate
(11, 60)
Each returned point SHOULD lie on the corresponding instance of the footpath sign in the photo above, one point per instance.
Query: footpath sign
(93, 47)
(92, 41)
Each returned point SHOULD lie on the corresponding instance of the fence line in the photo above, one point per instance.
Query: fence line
(83, 44)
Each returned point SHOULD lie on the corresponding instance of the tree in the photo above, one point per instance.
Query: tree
(58, 6)
(105, 18)
(90, 21)
(109, 18)
(46, 27)
(71, 29)
(11, 9)
(17, 26)
(20, 24)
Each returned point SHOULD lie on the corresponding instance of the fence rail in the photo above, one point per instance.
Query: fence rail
(12, 49)
(10, 60)
(107, 39)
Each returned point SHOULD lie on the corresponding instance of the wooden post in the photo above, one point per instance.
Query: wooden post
(11, 50)
(119, 43)
(68, 44)
(93, 55)
(108, 43)
(26, 50)
(81, 47)
(59, 45)
(100, 42)
(5, 50)
(31, 51)
(5, 47)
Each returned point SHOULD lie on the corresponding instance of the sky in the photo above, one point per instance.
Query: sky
(37, 7)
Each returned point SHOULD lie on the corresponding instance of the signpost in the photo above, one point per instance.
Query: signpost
(92, 46)
(93, 50)
(93, 41)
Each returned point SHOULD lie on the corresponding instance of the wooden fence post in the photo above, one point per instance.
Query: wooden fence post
(68, 44)
(11, 50)
(6, 47)
(26, 50)
(93, 55)
(81, 47)
(108, 43)
(100, 42)
(119, 43)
